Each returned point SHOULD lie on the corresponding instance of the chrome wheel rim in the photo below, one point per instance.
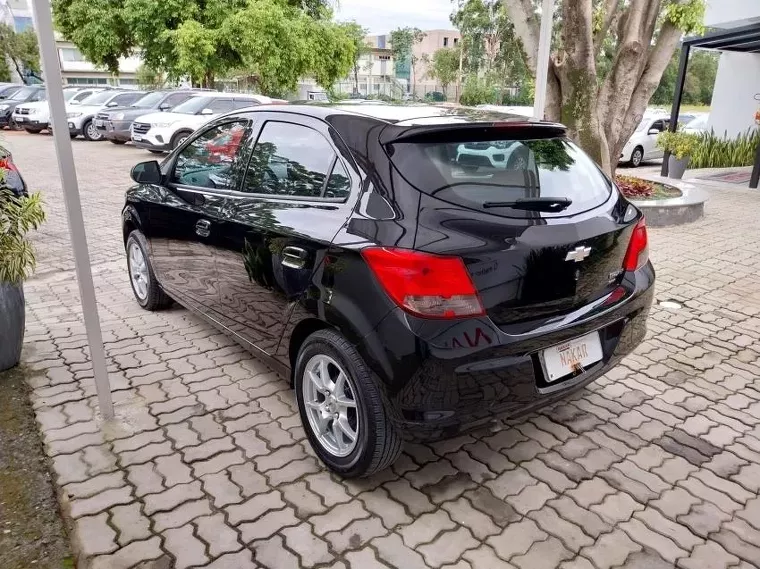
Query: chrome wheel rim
(636, 157)
(138, 271)
(330, 403)
(180, 140)
(92, 132)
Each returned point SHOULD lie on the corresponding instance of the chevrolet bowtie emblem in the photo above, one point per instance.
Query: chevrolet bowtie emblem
(578, 254)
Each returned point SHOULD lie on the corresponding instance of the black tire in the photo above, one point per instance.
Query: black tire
(114, 141)
(33, 130)
(378, 443)
(156, 298)
(155, 151)
(13, 125)
(179, 137)
(87, 132)
(637, 157)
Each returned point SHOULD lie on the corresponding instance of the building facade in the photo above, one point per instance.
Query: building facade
(738, 81)
(420, 73)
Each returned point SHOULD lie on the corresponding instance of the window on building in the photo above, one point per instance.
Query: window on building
(71, 54)
(86, 81)
(384, 57)
(127, 81)
(21, 23)
(445, 42)
(456, 41)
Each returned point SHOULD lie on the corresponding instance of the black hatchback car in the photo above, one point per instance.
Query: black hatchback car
(415, 271)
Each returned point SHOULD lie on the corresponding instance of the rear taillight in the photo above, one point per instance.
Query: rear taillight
(638, 249)
(431, 286)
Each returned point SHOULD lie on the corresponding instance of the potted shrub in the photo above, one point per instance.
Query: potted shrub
(18, 215)
(681, 146)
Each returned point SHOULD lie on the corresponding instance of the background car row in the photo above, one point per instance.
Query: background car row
(155, 120)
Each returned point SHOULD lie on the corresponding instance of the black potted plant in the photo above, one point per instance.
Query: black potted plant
(18, 216)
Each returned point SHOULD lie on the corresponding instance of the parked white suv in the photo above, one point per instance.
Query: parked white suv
(643, 144)
(161, 132)
(35, 117)
(81, 117)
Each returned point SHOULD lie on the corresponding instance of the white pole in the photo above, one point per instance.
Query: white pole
(542, 64)
(67, 170)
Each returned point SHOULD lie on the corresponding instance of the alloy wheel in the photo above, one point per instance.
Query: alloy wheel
(636, 157)
(138, 271)
(331, 407)
(92, 132)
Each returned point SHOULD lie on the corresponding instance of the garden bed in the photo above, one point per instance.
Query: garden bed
(664, 204)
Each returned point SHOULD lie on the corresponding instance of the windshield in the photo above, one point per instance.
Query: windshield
(479, 173)
(149, 101)
(99, 98)
(698, 122)
(23, 93)
(192, 106)
(69, 93)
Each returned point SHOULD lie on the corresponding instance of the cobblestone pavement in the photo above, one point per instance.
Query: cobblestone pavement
(655, 465)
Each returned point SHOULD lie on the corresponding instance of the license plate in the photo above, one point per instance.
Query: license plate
(20, 119)
(98, 122)
(136, 137)
(565, 358)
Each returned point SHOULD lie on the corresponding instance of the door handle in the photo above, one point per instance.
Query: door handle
(203, 227)
(294, 257)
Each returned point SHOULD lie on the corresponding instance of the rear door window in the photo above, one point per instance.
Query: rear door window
(479, 173)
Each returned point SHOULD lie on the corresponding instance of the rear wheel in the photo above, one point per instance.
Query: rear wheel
(342, 408)
(90, 132)
(33, 130)
(145, 287)
(637, 156)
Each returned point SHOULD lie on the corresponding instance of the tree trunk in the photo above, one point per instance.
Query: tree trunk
(356, 76)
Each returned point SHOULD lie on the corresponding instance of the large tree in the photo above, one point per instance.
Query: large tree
(275, 41)
(640, 37)
(20, 48)
(403, 41)
(358, 36)
(444, 67)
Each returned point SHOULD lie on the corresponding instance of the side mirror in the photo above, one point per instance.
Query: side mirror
(112, 104)
(147, 173)
(207, 111)
(164, 107)
(653, 131)
(74, 102)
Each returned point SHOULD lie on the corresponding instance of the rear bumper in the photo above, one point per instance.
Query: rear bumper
(471, 373)
(116, 130)
(28, 121)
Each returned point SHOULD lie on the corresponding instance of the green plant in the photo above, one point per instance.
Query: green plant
(679, 144)
(478, 91)
(722, 152)
(18, 216)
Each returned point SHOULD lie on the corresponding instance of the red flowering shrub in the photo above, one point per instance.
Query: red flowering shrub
(634, 187)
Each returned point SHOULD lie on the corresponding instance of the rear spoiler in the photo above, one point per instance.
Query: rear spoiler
(472, 131)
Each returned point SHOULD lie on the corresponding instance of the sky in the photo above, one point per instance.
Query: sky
(382, 16)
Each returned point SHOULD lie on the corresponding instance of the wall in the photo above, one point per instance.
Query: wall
(433, 41)
(732, 13)
(733, 104)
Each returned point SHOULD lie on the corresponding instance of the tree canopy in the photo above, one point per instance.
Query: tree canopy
(700, 79)
(20, 50)
(444, 66)
(276, 41)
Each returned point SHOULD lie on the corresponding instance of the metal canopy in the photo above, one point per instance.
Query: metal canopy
(745, 39)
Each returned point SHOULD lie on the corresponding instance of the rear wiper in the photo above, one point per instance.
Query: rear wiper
(534, 204)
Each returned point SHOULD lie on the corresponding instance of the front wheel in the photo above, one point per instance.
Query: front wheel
(33, 130)
(637, 156)
(179, 138)
(116, 141)
(145, 287)
(342, 408)
(90, 132)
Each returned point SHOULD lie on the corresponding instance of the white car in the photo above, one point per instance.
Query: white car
(698, 125)
(81, 117)
(162, 132)
(35, 117)
(643, 144)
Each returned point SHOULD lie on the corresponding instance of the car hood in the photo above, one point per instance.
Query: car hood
(180, 119)
(84, 109)
(35, 105)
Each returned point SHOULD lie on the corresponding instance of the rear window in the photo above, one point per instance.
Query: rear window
(479, 173)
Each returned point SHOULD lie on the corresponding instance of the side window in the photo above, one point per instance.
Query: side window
(289, 160)
(659, 126)
(39, 95)
(176, 99)
(339, 183)
(82, 96)
(220, 105)
(125, 99)
(243, 103)
(210, 161)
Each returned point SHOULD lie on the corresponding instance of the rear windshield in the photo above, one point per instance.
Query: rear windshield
(472, 174)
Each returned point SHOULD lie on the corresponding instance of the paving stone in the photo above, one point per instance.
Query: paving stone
(611, 549)
(751, 513)
(95, 485)
(356, 534)
(365, 559)
(674, 469)
(590, 492)
(293, 471)
(484, 556)
(462, 512)
(556, 480)
(425, 528)
(221, 489)
(587, 520)
(169, 499)
(254, 507)
(570, 534)
(240, 560)
(145, 479)
(543, 555)
(305, 501)
(704, 518)
(708, 556)
(129, 556)
(131, 523)
(310, 548)
(477, 471)
(248, 480)
(616, 508)
(663, 545)
(94, 535)
(181, 515)
(674, 503)
(679, 533)
(646, 559)
(392, 551)
(338, 518)
(499, 511)
(739, 538)
(448, 547)
(511, 483)
(185, 547)
(415, 501)
(379, 503)
(217, 534)
(517, 538)
(100, 502)
(731, 489)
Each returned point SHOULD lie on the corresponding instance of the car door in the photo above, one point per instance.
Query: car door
(185, 223)
(650, 147)
(279, 227)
